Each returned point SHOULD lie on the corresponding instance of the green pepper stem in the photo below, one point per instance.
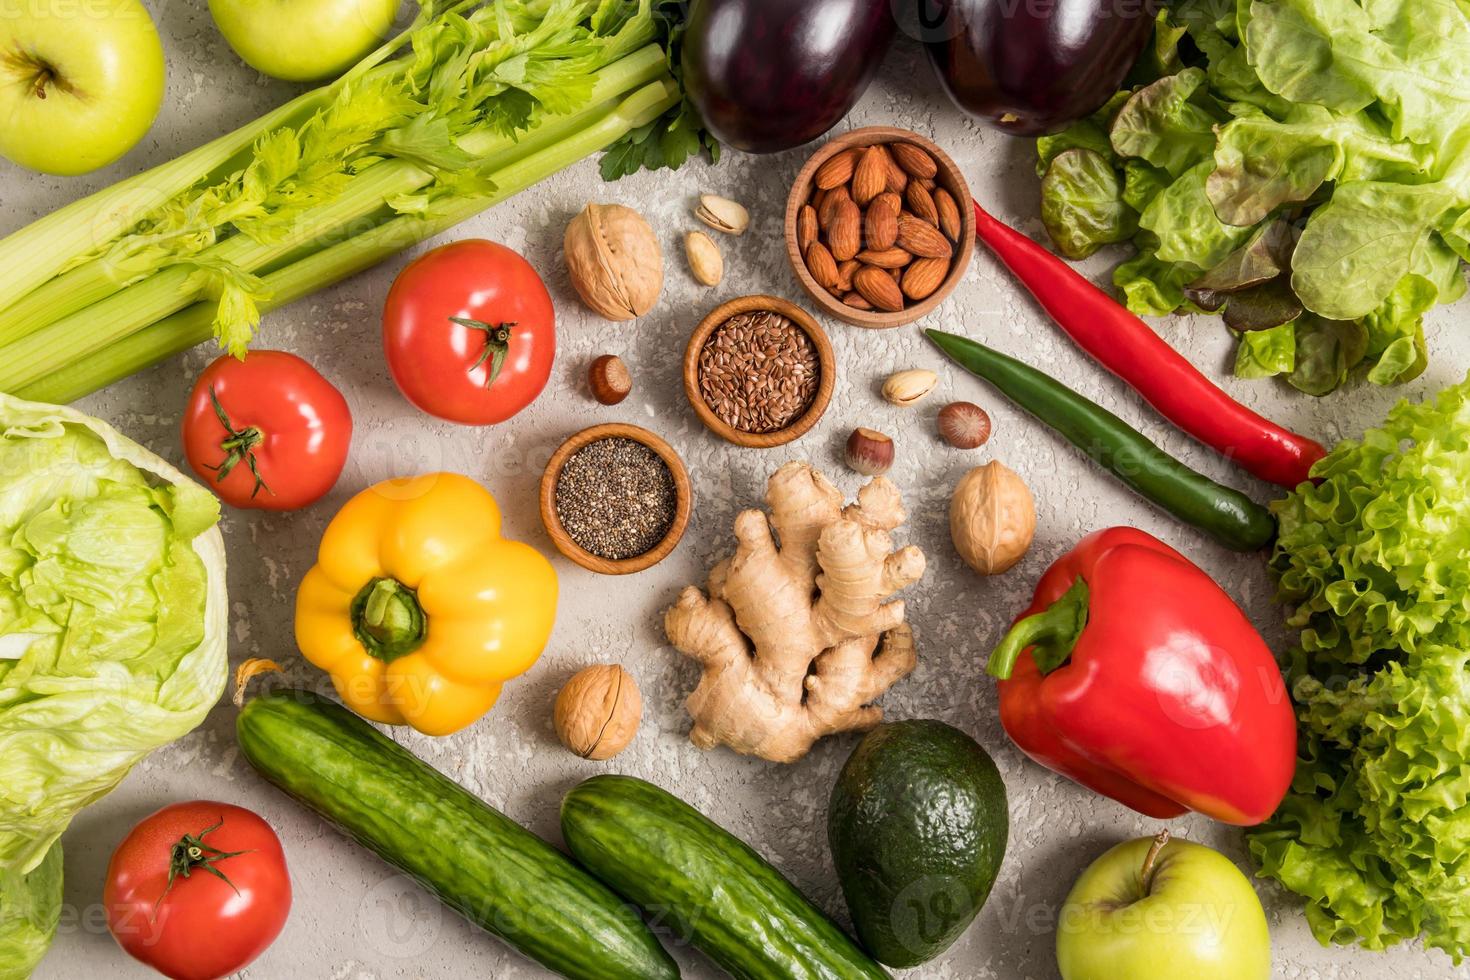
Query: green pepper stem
(1051, 634)
(388, 620)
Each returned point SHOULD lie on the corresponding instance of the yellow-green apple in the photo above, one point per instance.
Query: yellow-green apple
(80, 82)
(1165, 910)
(303, 40)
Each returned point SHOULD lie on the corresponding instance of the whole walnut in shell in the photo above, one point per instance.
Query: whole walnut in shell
(992, 518)
(614, 257)
(598, 711)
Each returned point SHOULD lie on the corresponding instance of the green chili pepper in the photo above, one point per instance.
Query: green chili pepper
(1228, 516)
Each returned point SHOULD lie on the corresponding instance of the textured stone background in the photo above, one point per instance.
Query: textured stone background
(353, 919)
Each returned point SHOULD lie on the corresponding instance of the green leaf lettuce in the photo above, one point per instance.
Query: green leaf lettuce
(1349, 120)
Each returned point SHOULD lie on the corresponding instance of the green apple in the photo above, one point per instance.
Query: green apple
(303, 40)
(1165, 910)
(80, 82)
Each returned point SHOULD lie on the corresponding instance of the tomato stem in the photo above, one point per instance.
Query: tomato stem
(190, 853)
(239, 446)
(497, 344)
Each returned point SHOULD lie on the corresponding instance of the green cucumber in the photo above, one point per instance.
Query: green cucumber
(664, 856)
(475, 859)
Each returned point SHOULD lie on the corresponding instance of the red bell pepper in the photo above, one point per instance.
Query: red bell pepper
(1129, 348)
(1134, 674)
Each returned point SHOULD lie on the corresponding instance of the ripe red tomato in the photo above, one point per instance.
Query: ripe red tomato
(198, 890)
(470, 332)
(267, 432)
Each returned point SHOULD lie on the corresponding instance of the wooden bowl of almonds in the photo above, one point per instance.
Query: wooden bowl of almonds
(759, 371)
(616, 499)
(879, 227)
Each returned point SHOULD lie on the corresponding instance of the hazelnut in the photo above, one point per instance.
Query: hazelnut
(907, 388)
(964, 425)
(868, 452)
(598, 711)
(992, 518)
(609, 379)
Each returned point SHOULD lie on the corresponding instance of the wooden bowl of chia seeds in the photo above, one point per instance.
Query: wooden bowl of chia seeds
(759, 371)
(615, 499)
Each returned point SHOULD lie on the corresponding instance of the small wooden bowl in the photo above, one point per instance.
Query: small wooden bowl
(683, 493)
(949, 177)
(827, 364)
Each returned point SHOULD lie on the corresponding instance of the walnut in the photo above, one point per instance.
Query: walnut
(992, 518)
(598, 711)
(615, 261)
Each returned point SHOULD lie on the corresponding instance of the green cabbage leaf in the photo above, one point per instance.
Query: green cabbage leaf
(30, 908)
(1375, 831)
(112, 618)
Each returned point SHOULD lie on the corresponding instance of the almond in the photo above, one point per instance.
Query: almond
(896, 275)
(806, 227)
(877, 287)
(915, 160)
(880, 225)
(836, 170)
(924, 276)
(888, 258)
(949, 214)
(845, 233)
(828, 210)
(921, 203)
(844, 275)
(818, 196)
(922, 239)
(856, 301)
(820, 264)
(871, 176)
(898, 179)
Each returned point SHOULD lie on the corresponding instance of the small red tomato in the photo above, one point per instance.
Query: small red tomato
(267, 432)
(470, 332)
(198, 890)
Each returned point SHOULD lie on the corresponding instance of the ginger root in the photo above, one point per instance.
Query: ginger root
(798, 638)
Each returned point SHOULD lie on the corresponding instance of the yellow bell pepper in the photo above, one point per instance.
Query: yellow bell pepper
(419, 609)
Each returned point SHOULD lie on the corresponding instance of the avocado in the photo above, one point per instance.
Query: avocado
(918, 826)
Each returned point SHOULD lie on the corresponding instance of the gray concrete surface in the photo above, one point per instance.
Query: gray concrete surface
(353, 919)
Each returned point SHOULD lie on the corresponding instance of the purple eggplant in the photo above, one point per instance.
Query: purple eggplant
(1033, 66)
(768, 75)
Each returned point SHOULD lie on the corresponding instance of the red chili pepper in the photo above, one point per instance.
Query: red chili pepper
(1134, 674)
(1129, 348)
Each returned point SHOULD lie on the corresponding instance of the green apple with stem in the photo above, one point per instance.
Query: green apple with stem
(1166, 910)
(303, 40)
(80, 82)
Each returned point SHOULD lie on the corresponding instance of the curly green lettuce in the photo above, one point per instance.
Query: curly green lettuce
(1375, 831)
(1346, 120)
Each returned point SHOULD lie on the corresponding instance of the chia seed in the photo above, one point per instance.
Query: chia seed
(616, 498)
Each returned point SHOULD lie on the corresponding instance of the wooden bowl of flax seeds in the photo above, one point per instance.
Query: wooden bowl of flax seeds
(615, 499)
(759, 371)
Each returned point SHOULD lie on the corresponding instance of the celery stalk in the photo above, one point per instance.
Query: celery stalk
(61, 305)
(34, 254)
(331, 265)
